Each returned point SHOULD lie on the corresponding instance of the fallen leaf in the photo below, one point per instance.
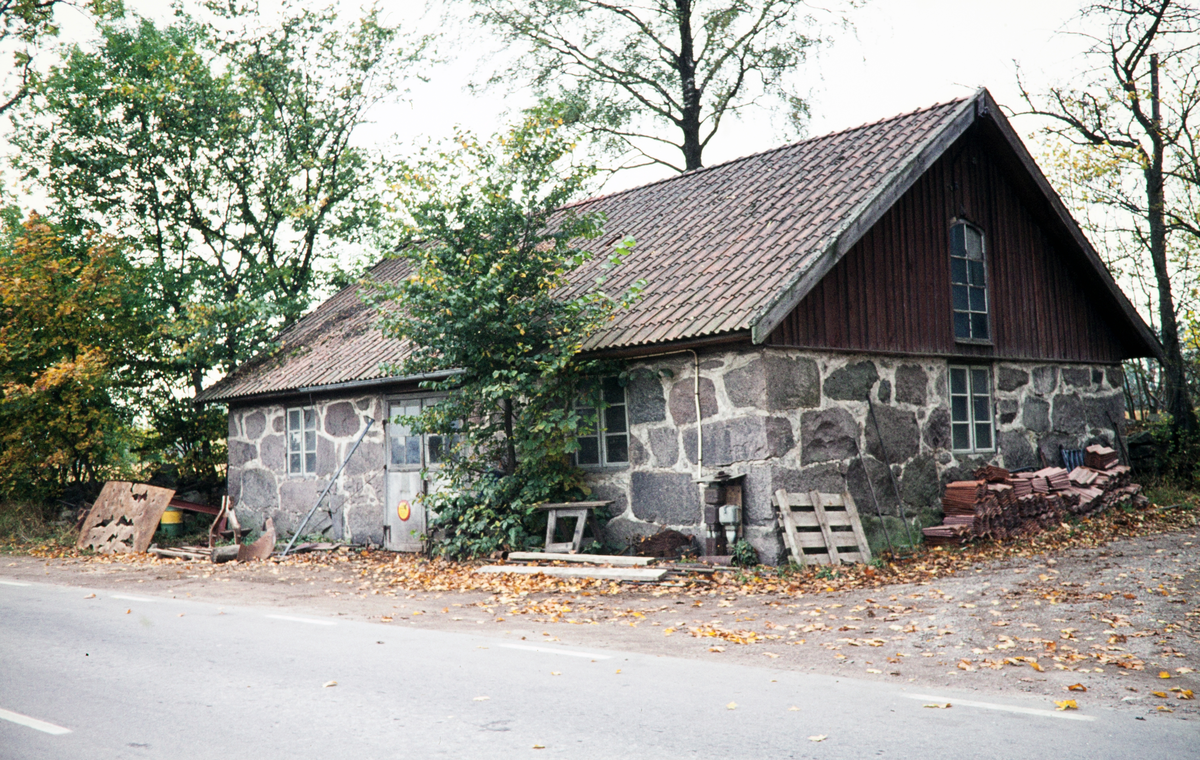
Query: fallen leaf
(716, 649)
(1066, 704)
(793, 708)
(1076, 687)
(481, 699)
(128, 611)
(1159, 694)
(1186, 694)
(1037, 667)
(936, 706)
(1164, 708)
(818, 738)
(539, 746)
(731, 706)
(555, 673)
(90, 596)
(327, 684)
(618, 670)
(1163, 674)
(772, 655)
(1184, 671)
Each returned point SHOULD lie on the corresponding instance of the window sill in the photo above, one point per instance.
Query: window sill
(974, 341)
(603, 467)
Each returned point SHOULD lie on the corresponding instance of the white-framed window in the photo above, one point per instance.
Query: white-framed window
(972, 427)
(302, 440)
(607, 443)
(968, 284)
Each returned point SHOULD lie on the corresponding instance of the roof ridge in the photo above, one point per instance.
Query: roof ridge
(748, 156)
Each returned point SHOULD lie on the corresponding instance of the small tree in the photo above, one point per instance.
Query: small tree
(71, 339)
(488, 297)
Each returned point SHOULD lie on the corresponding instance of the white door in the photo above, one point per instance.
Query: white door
(405, 517)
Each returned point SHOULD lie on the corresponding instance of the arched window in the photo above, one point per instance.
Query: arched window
(968, 278)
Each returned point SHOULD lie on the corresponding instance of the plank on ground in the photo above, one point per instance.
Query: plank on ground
(602, 573)
(588, 559)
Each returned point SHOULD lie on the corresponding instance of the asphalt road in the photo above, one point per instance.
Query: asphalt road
(102, 674)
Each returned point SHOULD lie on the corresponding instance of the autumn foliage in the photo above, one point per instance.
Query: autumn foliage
(69, 337)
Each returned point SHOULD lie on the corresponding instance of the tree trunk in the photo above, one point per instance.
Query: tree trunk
(685, 64)
(1177, 398)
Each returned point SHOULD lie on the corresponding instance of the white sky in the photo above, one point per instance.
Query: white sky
(900, 56)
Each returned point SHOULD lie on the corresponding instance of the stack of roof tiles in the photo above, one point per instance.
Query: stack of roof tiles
(999, 504)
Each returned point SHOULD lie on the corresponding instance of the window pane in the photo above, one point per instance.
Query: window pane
(976, 272)
(435, 449)
(294, 442)
(978, 299)
(958, 409)
(617, 448)
(974, 243)
(412, 450)
(960, 436)
(958, 380)
(961, 301)
(293, 419)
(958, 271)
(294, 463)
(310, 418)
(614, 419)
(310, 440)
(587, 421)
(982, 413)
(613, 392)
(962, 324)
(979, 381)
(310, 462)
(979, 326)
(957, 243)
(589, 450)
(983, 436)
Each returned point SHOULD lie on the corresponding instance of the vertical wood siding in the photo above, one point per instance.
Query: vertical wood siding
(891, 292)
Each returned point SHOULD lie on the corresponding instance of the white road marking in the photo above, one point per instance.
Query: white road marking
(301, 620)
(1006, 708)
(132, 598)
(34, 723)
(556, 650)
(12, 583)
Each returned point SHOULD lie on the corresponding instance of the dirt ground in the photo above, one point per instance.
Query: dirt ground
(1115, 626)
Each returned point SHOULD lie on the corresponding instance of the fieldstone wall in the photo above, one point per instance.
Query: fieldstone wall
(800, 420)
(261, 487)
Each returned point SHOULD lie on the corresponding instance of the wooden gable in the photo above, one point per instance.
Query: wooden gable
(891, 291)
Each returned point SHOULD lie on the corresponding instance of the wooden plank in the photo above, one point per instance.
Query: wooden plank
(601, 573)
(575, 505)
(586, 559)
(834, 559)
(856, 526)
(784, 504)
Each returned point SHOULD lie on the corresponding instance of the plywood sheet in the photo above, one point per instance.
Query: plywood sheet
(124, 517)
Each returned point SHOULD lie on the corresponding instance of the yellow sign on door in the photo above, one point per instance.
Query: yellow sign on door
(403, 510)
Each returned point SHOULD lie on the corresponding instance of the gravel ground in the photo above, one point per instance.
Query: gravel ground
(1120, 623)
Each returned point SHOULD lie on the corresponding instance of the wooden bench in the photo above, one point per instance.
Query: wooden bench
(826, 522)
(581, 511)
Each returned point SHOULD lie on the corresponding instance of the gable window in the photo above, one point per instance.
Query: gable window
(971, 425)
(968, 283)
(607, 442)
(302, 440)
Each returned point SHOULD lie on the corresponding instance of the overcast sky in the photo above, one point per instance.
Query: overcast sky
(900, 55)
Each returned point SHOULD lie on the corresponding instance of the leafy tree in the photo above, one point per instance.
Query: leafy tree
(1132, 121)
(72, 335)
(23, 25)
(489, 297)
(648, 77)
(224, 160)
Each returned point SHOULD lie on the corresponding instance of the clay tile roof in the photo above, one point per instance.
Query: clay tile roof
(726, 249)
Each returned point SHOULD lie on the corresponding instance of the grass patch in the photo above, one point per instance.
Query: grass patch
(24, 525)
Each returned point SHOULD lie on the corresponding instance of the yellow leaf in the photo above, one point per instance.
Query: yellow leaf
(1037, 667)
(873, 670)
(793, 708)
(1066, 704)
(731, 706)
(936, 706)
(1076, 687)
(327, 684)
(818, 738)
(539, 746)
(1186, 694)
(555, 673)
(1160, 694)
(1163, 674)
(482, 699)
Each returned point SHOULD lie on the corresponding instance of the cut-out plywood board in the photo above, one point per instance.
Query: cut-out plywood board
(124, 517)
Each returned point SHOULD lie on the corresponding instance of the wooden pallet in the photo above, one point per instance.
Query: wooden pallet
(822, 528)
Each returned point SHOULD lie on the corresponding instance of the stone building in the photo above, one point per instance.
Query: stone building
(910, 294)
